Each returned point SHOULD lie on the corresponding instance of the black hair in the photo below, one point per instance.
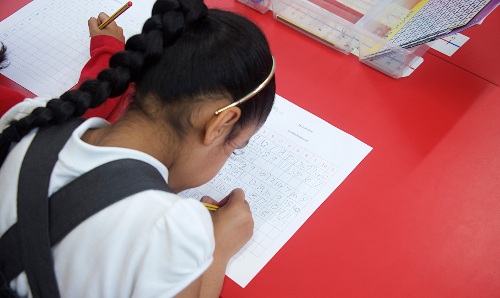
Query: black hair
(3, 56)
(185, 54)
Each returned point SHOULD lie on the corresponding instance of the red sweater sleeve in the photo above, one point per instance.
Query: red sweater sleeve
(102, 47)
(9, 98)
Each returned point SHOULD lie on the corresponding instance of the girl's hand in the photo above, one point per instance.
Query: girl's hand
(233, 224)
(112, 29)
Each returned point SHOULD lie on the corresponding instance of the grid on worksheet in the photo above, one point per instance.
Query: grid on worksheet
(278, 177)
(47, 53)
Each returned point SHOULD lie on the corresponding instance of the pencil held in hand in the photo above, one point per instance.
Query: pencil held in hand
(210, 206)
(115, 15)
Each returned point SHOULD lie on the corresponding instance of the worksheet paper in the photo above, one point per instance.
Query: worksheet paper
(289, 168)
(48, 40)
(450, 44)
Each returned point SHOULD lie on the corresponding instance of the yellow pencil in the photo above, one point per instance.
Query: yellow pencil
(211, 207)
(115, 15)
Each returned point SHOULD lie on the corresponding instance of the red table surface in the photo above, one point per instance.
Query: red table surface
(479, 54)
(420, 216)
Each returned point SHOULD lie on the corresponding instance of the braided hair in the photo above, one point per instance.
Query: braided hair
(185, 53)
(3, 56)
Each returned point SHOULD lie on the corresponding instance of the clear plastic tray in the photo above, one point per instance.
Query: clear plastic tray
(259, 5)
(357, 27)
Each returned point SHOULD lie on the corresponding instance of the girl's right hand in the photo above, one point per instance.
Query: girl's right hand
(112, 29)
(233, 224)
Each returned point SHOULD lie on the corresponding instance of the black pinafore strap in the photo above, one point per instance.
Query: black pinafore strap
(42, 223)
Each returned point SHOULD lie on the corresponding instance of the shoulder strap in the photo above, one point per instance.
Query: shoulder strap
(46, 145)
(72, 204)
(32, 207)
(98, 189)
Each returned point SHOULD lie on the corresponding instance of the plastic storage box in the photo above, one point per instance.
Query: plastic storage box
(259, 5)
(354, 26)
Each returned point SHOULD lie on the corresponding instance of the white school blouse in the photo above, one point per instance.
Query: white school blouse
(151, 244)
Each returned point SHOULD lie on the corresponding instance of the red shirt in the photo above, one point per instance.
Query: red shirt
(102, 47)
(9, 98)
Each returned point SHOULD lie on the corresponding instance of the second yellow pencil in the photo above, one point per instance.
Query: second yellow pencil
(115, 15)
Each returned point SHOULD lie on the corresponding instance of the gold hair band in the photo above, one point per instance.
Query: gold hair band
(253, 93)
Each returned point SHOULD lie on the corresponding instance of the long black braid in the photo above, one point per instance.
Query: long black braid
(141, 51)
(184, 50)
(3, 56)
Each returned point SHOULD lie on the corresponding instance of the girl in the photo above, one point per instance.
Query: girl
(203, 85)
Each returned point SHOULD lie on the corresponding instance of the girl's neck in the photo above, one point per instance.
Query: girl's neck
(134, 132)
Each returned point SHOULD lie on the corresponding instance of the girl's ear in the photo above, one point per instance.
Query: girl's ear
(220, 125)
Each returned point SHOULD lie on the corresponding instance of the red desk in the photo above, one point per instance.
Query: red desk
(420, 216)
(479, 54)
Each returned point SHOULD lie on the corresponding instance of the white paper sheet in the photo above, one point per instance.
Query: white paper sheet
(48, 40)
(450, 44)
(288, 169)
